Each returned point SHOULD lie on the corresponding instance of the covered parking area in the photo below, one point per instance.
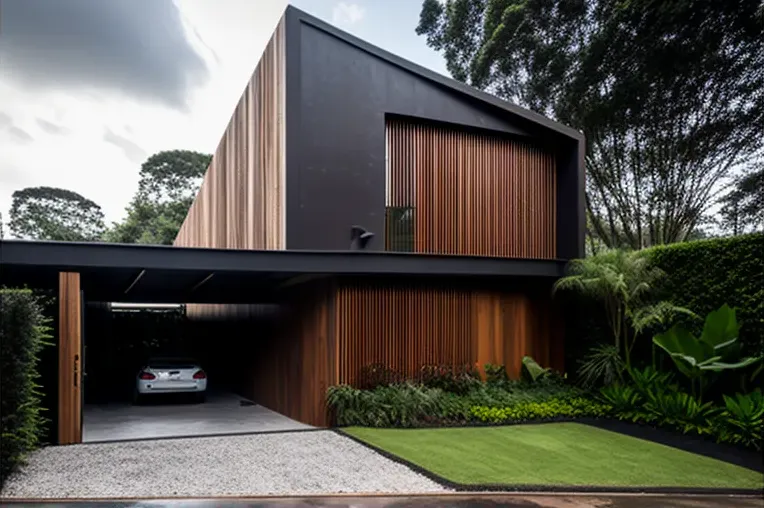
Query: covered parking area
(262, 331)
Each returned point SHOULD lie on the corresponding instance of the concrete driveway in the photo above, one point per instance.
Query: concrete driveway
(222, 414)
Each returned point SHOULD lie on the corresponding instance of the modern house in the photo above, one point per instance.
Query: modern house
(332, 138)
(396, 217)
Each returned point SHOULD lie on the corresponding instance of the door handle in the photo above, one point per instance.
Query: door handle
(76, 369)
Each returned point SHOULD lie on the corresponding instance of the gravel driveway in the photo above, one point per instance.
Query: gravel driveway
(316, 462)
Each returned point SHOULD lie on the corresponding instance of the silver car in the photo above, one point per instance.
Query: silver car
(168, 375)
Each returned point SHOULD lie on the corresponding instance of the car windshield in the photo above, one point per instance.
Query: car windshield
(171, 363)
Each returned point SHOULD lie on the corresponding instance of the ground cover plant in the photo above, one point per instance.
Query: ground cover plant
(554, 454)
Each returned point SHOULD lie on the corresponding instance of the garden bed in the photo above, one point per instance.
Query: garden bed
(555, 456)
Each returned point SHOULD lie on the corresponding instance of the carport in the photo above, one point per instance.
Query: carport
(284, 378)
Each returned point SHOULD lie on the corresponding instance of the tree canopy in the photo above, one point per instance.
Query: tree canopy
(668, 94)
(169, 181)
(49, 213)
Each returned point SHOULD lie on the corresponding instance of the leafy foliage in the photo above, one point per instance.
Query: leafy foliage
(667, 94)
(741, 422)
(495, 374)
(23, 331)
(680, 410)
(704, 274)
(168, 183)
(532, 371)
(623, 282)
(623, 399)
(577, 407)
(711, 352)
(458, 379)
(743, 206)
(602, 365)
(48, 213)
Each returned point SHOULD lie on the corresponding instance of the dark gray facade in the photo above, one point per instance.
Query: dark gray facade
(339, 92)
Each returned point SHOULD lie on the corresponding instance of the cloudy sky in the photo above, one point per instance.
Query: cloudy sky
(90, 88)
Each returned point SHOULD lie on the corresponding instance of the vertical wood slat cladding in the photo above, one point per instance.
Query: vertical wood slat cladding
(294, 367)
(459, 192)
(405, 327)
(241, 201)
(69, 361)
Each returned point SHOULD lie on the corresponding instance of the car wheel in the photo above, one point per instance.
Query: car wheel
(200, 398)
(137, 400)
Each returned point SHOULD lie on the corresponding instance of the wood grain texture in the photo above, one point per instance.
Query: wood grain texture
(293, 368)
(241, 201)
(407, 326)
(468, 192)
(330, 330)
(69, 361)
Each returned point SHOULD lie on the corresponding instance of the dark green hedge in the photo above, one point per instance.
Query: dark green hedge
(704, 274)
(22, 337)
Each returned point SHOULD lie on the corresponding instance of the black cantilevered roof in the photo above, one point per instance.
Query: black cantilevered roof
(157, 274)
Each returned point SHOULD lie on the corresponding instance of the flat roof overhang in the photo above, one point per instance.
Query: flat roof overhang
(159, 274)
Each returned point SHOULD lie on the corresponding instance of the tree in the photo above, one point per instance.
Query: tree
(668, 94)
(2, 227)
(623, 282)
(49, 213)
(168, 183)
(743, 206)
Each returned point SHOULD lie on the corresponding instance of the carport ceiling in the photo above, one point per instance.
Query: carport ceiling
(165, 274)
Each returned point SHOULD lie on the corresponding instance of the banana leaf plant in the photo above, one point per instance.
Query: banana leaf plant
(716, 350)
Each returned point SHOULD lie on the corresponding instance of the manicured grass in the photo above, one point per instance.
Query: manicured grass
(554, 454)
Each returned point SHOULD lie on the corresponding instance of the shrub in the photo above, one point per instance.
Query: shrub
(495, 375)
(576, 407)
(649, 380)
(603, 364)
(741, 421)
(377, 374)
(22, 336)
(403, 405)
(681, 411)
(624, 401)
(450, 378)
(704, 274)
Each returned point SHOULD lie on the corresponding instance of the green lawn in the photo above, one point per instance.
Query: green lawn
(554, 454)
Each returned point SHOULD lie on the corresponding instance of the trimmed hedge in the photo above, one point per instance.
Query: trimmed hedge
(704, 274)
(22, 337)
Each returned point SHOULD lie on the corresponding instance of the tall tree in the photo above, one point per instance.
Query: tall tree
(169, 181)
(49, 213)
(743, 206)
(668, 94)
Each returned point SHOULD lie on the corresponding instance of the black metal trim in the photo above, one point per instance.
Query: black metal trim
(74, 256)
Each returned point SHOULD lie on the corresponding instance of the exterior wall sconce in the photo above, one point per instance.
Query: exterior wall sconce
(359, 237)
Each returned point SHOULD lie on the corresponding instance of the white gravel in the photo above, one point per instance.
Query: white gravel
(319, 462)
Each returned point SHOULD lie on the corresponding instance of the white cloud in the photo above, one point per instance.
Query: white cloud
(347, 13)
(91, 139)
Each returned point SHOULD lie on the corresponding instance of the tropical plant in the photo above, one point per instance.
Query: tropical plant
(623, 399)
(603, 364)
(680, 410)
(623, 282)
(450, 378)
(650, 380)
(495, 374)
(741, 422)
(532, 371)
(716, 350)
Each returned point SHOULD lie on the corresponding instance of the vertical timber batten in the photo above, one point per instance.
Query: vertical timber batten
(69, 360)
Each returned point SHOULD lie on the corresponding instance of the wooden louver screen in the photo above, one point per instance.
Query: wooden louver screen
(460, 192)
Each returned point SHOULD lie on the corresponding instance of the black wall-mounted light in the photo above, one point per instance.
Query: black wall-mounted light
(359, 237)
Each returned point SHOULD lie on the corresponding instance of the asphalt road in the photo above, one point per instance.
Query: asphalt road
(432, 501)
